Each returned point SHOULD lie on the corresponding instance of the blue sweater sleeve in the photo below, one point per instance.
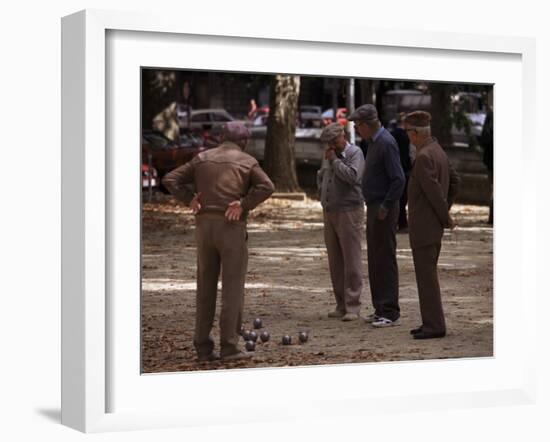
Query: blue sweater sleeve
(394, 171)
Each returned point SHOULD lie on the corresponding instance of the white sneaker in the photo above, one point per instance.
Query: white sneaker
(381, 322)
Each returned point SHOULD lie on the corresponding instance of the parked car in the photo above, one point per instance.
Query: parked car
(310, 116)
(473, 108)
(402, 100)
(202, 119)
(468, 104)
(259, 118)
(165, 154)
(308, 149)
(149, 177)
(341, 116)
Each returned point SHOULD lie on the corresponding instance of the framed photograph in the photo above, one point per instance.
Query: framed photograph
(291, 315)
(115, 375)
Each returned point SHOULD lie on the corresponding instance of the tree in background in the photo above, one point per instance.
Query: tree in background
(451, 105)
(442, 112)
(367, 91)
(279, 159)
(158, 92)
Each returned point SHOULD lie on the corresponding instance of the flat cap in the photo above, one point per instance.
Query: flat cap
(331, 132)
(367, 112)
(401, 117)
(418, 119)
(235, 131)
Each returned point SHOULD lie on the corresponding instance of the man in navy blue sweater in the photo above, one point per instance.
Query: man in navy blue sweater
(382, 186)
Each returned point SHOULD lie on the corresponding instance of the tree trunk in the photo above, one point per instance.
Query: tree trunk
(367, 92)
(279, 159)
(442, 119)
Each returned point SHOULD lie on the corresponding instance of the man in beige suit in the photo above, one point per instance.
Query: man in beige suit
(228, 184)
(433, 185)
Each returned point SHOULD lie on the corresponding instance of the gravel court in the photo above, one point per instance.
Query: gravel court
(288, 287)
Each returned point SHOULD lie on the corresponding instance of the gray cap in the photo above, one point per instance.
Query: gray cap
(367, 112)
(235, 131)
(331, 132)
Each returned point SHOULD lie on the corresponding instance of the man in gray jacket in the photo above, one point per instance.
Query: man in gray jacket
(221, 185)
(339, 182)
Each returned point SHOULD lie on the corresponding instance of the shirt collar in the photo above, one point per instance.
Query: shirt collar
(427, 141)
(345, 151)
(377, 133)
(230, 145)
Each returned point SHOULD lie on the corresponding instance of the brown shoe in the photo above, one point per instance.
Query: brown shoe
(214, 356)
(336, 314)
(237, 356)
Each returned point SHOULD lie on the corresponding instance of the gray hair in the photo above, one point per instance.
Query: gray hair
(331, 132)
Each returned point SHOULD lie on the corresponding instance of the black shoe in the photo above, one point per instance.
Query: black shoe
(414, 331)
(428, 335)
(214, 356)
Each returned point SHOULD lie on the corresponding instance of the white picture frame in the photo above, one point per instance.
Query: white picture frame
(92, 369)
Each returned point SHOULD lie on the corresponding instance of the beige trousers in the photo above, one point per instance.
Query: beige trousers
(343, 234)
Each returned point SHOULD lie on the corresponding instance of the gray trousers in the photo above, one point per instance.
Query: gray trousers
(343, 234)
(429, 294)
(381, 250)
(221, 244)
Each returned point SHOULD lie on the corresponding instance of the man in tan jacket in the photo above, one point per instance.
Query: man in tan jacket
(433, 186)
(221, 186)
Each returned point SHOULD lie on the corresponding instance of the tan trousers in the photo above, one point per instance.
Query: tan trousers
(429, 294)
(221, 244)
(343, 234)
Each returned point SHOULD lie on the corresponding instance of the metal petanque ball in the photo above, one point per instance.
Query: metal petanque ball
(257, 323)
(264, 336)
(253, 336)
(303, 337)
(246, 335)
(250, 345)
(287, 340)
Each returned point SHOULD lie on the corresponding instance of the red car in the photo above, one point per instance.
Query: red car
(149, 177)
(165, 154)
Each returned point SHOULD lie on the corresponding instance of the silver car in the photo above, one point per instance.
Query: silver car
(202, 119)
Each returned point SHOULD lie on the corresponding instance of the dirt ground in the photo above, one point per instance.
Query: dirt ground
(288, 287)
